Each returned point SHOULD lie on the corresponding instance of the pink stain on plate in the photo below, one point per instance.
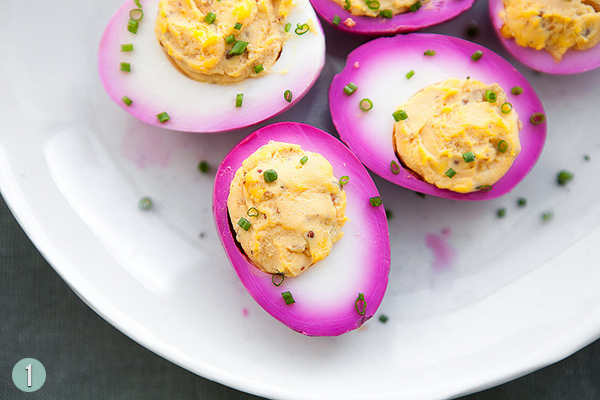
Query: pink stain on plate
(245, 312)
(444, 255)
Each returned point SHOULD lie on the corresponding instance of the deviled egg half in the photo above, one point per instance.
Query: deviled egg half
(210, 66)
(304, 228)
(438, 115)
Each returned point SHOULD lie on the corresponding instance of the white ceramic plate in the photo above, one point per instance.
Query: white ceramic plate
(473, 300)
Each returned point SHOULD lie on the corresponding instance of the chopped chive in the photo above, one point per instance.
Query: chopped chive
(132, 26)
(547, 216)
(137, 3)
(360, 304)
(203, 167)
(288, 298)
(517, 90)
(469, 156)
(450, 173)
(586, 157)
(365, 104)
(244, 224)
(229, 39)
(372, 4)
(136, 12)
(502, 146)
(347, 5)
(485, 188)
(537, 118)
(301, 29)
(375, 201)
(522, 202)
(277, 279)
(288, 26)
(477, 55)
(127, 47)
(252, 212)
(336, 20)
(163, 117)
(258, 68)
(238, 48)
(472, 29)
(303, 160)
(490, 96)
(210, 17)
(270, 175)
(344, 180)
(395, 167)
(429, 52)
(386, 14)
(126, 100)
(414, 7)
(350, 88)
(564, 177)
(239, 99)
(506, 107)
(125, 67)
(400, 115)
(383, 318)
(410, 74)
(287, 95)
(389, 214)
(237, 26)
(501, 213)
(145, 203)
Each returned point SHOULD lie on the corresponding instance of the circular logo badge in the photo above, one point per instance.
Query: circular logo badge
(29, 375)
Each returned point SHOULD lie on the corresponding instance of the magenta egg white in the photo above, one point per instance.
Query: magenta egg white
(379, 69)
(431, 13)
(573, 62)
(326, 294)
(155, 86)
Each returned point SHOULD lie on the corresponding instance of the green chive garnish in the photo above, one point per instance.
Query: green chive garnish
(287, 95)
(303, 160)
(229, 39)
(132, 26)
(258, 68)
(517, 90)
(137, 3)
(386, 14)
(490, 96)
(360, 304)
(485, 188)
(344, 180)
(203, 167)
(400, 115)
(252, 212)
(414, 7)
(410, 74)
(522, 202)
(301, 29)
(127, 47)
(270, 175)
(547, 216)
(472, 29)
(350, 88)
(239, 99)
(375, 201)
(469, 156)
(210, 17)
(125, 67)
(502, 146)
(383, 318)
(429, 52)
(336, 20)
(395, 167)
(237, 26)
(136, 12)
(537, 118)
(244, 224)
(450, 173)
(501, 213)
(145, 203)
(372, 4)
(277, 279)
(163, 117)
(347, 5)
(564, 177)
(477, 55)
(365, 104)
(126, 100)
(288, 26)
(506, 107)
(238, 48)
(288, 298)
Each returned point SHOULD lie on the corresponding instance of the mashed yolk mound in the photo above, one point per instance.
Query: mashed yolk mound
(295, 219)
(372, 8)
(554, 25)
(200, 48)
(456, 139)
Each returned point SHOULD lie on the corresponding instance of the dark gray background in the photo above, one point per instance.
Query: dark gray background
(87, 358)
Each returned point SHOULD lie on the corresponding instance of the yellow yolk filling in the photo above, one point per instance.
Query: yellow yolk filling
(373, 8)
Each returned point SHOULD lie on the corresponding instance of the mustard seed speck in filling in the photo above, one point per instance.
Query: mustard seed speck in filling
(199, 35)
(293, 220)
